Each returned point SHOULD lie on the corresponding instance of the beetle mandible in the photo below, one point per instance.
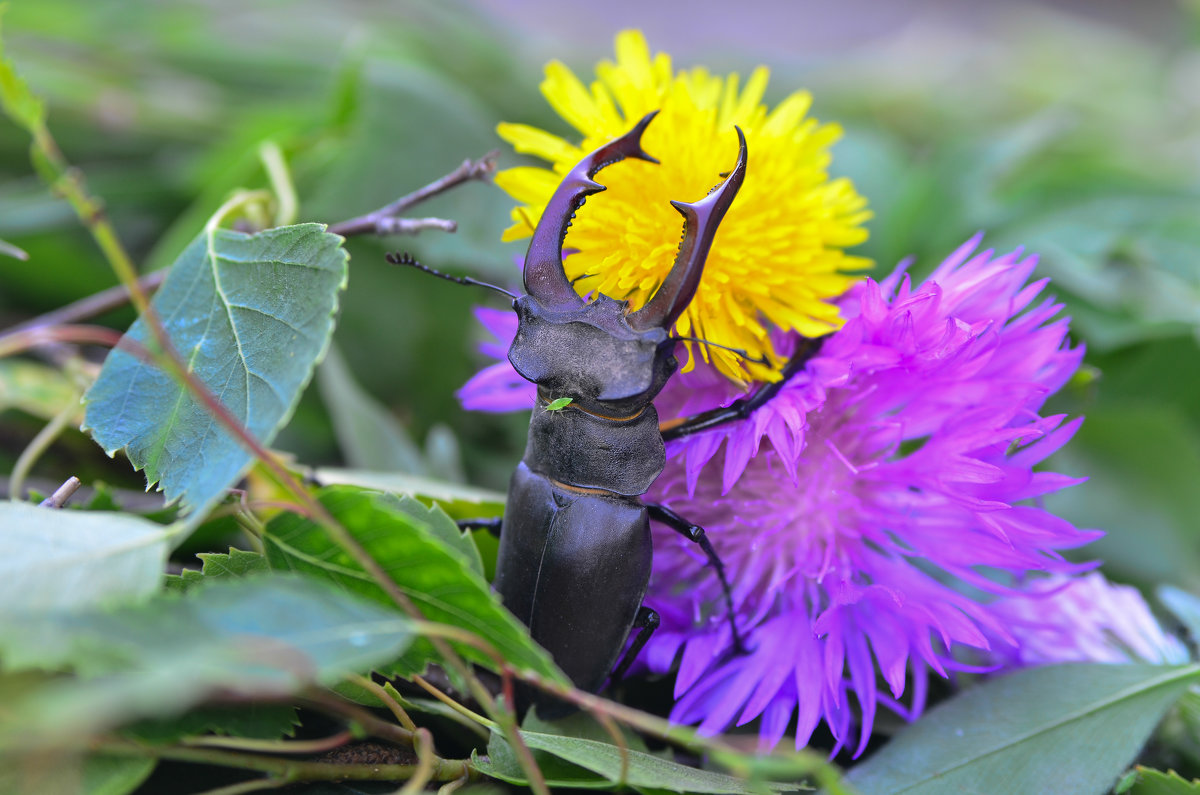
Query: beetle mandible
(575, 546)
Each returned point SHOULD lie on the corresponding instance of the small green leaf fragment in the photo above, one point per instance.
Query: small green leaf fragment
(1148, 781)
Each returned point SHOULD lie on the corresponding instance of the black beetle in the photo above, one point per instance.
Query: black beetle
(575, 546)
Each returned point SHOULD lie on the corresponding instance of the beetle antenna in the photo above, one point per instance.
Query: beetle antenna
(755, 359)
(407, 259)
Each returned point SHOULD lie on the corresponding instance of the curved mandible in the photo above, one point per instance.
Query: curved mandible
(700, 222)
(544, 276)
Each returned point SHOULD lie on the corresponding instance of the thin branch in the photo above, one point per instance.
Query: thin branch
(426, 761)
(385, 221)
(8, 249)
(290, 769)
(92, 305)
(383, 695)
(40, 444)
(250, 745)
(63, 493)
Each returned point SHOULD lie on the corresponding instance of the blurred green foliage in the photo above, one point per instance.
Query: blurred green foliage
(1073, 139)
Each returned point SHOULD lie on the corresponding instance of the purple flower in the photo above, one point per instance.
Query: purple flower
(1083, 619)
(862, 511)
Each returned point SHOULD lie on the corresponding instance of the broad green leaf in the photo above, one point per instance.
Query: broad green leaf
(592, 764)
(462, 502)
(1023, 733)
(263, 637)
(1156, 782)
(36, 389)
(443, 582)
(441, 526)
(236, 563)
(368, 435)
(250, 315)
(65, 560)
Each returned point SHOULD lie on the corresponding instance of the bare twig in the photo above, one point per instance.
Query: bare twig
(63, 493)
(385, 220)
(291, 769)
(92, 305)
(383, 695)
(39, 445)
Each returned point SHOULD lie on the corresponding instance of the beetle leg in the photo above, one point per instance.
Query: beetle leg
(741, 408)
(695, 533)
(645, 623)
(492, 525)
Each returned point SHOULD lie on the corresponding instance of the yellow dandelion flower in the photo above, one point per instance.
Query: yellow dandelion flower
(778, 257)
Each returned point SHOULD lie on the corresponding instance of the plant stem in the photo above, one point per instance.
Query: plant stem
(39, 444)
(287, 769)
(383, 695)
(270, 746)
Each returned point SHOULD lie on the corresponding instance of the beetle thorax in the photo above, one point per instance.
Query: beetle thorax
(592, 355)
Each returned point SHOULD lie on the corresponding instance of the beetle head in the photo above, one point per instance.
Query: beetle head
(611, 360)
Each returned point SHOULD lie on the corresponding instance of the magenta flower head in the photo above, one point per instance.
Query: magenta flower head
(870, 514)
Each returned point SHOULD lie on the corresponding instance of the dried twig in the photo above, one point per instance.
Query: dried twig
(63, 493)
(385, 220)
(92, 305)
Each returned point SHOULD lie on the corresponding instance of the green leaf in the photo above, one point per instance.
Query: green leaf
(368, 435)
(443, 582)
(250, 315)
(64, 560)
(237, 563)
(1156, 782)
(444, 528)
(1022, 732)
(16, 100)
(592, 764)
(463, 502)
(263, 637)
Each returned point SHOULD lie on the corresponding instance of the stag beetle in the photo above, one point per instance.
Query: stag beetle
(575, 545)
